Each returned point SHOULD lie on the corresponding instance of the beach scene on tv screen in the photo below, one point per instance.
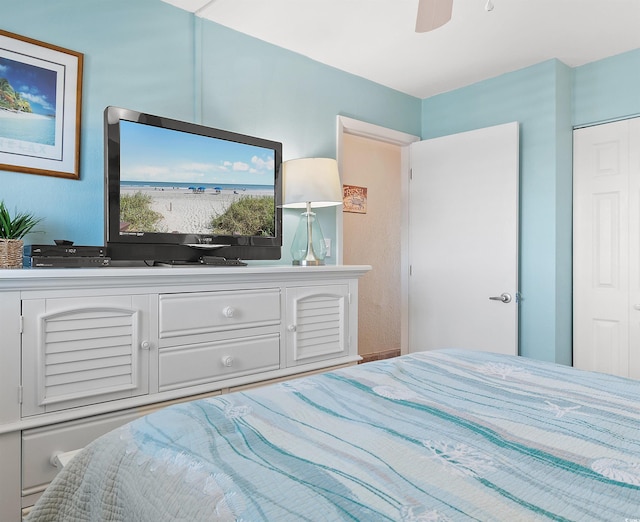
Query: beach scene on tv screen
(176, 182)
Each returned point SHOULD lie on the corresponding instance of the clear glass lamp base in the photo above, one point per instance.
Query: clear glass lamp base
(308, 247)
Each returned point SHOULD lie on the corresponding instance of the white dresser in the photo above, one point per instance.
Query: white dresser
(83, 351)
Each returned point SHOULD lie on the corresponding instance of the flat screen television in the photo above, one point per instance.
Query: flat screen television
(177, 191)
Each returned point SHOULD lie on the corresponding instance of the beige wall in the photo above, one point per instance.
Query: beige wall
(374, 239)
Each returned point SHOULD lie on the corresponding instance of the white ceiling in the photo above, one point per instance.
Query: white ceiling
(375, 39)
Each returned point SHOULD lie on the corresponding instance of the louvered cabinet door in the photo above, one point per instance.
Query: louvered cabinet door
(317, 323)
(83, 350)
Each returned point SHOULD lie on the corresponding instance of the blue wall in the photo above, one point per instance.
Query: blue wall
(153, 57)
(267, 91)
(154, 74)
(530, 97)
(150, 56)
(607, 90)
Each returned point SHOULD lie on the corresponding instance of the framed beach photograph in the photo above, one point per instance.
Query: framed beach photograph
(354, 199)
(40, 105)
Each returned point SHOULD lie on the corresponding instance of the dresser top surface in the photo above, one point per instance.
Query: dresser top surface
(30, 278)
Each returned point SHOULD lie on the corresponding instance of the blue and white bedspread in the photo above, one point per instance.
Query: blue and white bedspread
(434, 436)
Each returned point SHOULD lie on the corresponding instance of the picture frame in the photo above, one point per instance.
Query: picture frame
(40, 107)
(354, 199)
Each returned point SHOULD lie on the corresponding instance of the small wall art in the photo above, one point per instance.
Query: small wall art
(40, 105)
(354, 199)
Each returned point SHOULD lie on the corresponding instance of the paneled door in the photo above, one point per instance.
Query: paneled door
(606, 248)
(463, 241)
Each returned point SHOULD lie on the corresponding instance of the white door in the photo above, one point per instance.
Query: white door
(606, 241)
(463, 241)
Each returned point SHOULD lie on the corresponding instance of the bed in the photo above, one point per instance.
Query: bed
(431, 436)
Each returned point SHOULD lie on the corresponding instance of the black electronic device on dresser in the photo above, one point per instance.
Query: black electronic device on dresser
(64, 254)
(64, 250)
(202, 191)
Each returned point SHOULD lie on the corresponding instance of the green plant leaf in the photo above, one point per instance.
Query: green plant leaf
(16, 226)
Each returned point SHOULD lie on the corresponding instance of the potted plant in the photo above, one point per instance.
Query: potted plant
(12, 229)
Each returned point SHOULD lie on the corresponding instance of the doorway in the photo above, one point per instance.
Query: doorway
(371, 236)
(384, 290)
(404, 141)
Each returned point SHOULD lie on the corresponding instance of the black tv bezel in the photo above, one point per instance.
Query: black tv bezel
(171, 247)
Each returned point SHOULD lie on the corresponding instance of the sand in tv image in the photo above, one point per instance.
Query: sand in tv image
(175, 182)
(27, 102)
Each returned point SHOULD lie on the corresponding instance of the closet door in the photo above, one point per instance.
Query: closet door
(634, 248)
(606, 248)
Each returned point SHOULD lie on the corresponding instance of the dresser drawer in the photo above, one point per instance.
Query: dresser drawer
(190, 365)
(41, 444)
(207, 312)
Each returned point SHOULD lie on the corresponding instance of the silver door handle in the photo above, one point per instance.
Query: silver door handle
(505, 297)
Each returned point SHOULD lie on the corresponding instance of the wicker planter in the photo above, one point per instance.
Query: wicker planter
(11, 253)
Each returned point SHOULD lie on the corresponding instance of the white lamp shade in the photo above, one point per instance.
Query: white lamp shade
(311, 180)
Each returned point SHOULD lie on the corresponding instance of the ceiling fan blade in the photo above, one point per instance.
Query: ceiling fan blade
(432, 14)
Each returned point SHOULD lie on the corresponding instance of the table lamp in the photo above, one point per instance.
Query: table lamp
(310, 183)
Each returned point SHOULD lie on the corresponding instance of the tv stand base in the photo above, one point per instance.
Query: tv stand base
(203, 261)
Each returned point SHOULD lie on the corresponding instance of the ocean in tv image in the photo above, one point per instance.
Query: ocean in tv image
(177, 182)
(27, 102)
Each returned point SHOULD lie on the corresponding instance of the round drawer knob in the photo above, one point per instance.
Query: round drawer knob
(145, 345)
(291, 327)
(228, 311)
(227, 361)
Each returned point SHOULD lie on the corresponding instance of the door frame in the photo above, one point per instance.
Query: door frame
(363, 129)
